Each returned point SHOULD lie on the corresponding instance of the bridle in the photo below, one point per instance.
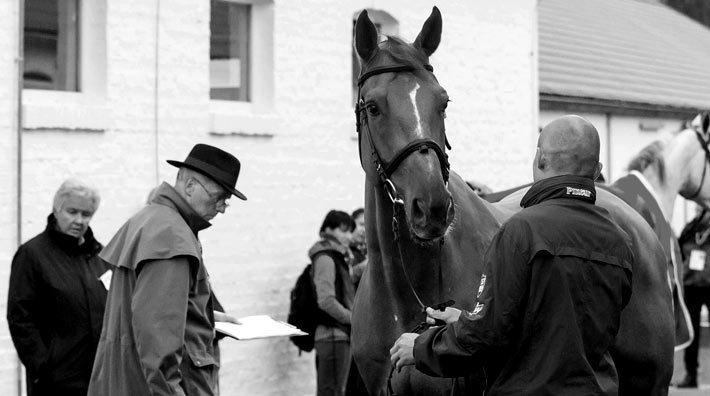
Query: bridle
(699, 126)
(385, 169)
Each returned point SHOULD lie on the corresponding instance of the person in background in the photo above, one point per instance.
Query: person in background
(158, 336)
(335, 293)
(358, 246)
(695, 247)
(57, 296)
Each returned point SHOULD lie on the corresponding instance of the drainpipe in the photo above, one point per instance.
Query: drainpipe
(608, 147)
(20, 82)
(156, 124)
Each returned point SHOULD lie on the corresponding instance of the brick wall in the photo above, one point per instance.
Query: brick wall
(8, 176)
(305, 165)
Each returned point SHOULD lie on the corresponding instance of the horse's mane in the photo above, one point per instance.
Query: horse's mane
(401, 52)
(648, 156)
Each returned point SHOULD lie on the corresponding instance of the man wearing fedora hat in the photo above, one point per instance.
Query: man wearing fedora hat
(158, 333)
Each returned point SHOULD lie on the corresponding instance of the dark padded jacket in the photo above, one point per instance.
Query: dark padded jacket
(55, 309)
(556, 278)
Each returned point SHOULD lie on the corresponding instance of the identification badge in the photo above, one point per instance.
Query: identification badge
(697, 260)
(106, 279)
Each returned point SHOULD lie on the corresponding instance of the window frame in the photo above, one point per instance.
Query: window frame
(257, 117)
(85, 109)
(245, 77)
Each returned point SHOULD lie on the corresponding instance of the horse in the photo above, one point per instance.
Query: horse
(400, 112)
(427, 231)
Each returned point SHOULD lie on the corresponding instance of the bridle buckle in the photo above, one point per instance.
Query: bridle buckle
(392, 192)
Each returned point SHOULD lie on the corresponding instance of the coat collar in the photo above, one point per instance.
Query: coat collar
(69, 243)
(167, 195)
(565, 186)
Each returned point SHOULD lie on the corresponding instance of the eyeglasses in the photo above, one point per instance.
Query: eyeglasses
(216, 197)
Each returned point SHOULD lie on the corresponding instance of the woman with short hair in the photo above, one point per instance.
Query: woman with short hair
(335, 294)
(57, 296)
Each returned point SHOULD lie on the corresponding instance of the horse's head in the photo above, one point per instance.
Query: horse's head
(400, 113)
(696, 187)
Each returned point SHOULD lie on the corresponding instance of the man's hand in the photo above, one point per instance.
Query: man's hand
(449, 315)
(402, 353)
(223, 317)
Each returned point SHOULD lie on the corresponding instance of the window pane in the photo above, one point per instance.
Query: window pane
(51, 45)
(229, 51)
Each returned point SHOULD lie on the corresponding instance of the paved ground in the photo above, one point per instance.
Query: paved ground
(704, 372)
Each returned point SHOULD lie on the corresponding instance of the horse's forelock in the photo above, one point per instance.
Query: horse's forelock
(401, 52)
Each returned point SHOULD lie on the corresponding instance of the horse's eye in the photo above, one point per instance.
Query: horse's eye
(372, 110)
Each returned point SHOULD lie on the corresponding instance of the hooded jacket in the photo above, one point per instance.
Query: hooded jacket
(54, 310)
(335, 291)
(556, 278)
(158, 335)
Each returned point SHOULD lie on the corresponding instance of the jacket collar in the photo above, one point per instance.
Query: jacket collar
(167, 195)
(565, 186)
(69, 243)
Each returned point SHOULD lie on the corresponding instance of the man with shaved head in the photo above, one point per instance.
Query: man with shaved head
(556, 278)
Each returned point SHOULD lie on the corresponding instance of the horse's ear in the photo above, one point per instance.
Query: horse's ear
(429, 38)
(701, 123)
(365, 36)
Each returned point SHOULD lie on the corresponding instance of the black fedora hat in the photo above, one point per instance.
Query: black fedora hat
(214, 163)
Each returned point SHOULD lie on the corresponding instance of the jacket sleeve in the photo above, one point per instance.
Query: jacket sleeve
(463, 346)
(159, 307)
(23, 312)
(324, 280)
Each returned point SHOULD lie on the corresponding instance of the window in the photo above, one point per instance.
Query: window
(386, 25)
(229, 51)
(51, 48)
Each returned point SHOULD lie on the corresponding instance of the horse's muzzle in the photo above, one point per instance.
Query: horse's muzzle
(430, 221)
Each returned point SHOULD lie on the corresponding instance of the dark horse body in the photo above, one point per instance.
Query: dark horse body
(445, 229)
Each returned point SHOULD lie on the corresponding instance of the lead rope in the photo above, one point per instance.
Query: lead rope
(396, 210)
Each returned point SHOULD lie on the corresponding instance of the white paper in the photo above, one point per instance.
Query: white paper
(697, 260)
(106, 279)
(257, 326)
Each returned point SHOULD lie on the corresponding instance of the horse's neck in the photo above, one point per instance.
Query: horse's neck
(388, 255)
(436, 272)
(676, 156)
(665, 191)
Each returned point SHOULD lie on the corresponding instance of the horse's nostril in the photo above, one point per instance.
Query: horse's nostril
(440, 212)
(417, 209)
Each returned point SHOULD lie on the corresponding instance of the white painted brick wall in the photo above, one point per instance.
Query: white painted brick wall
(8, 176)
(256, 250)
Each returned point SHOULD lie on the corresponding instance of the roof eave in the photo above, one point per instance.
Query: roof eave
(556, 102)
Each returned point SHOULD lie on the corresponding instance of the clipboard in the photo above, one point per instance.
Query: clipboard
(257, 326)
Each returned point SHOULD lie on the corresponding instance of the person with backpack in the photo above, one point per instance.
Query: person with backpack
(335, 293)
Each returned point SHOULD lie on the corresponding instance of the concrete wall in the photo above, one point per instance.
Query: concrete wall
(149, 101)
